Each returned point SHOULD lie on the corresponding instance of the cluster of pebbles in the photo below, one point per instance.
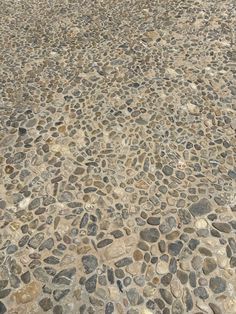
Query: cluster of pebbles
(117, 157)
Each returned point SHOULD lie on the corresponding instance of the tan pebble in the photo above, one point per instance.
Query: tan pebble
(134, 268)
(28, 293)
(185, 265)
(141, 185)
(155, 250)
(149, 290)
(116, 249)
(193, 109)
(203, 306)
(176, 288)
(138, 255)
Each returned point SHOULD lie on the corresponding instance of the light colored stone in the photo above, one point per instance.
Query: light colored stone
(155, 250)
(134, 268)
(201, 224)
(162, 268)
(230, 305)
(185, 265)
(203, 306)
(193, 109)
(114, 293)
(176, 288)
(222, 261)
(115, 250)
(146, 311)
(28, 293)
(149, 290)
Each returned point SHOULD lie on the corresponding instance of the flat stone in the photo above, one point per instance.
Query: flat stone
(201, 292)
(46, 304)
(166, 295)
(64, 276)
(104, 243)
(4, 293)
(202, 207)
(177, 307)
(115, 250)
(162, 267)
(109, 309)
(3, 308)
(150, 235)
(175, 248)
(209, 265)
(215, 308)
(133, 296)
(187, 299)
(27, 293)
(217, 284)
(124, 262)
(154, 221)
(91, 283)
(36, 240)
(41, 275)
(222, 226)
(90, 263)
(60, 294)
(176, 288)
(167, 170)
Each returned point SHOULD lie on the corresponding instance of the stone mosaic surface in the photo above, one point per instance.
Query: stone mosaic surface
(117, 157)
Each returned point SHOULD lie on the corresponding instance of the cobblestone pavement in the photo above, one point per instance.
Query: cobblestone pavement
(117, 157)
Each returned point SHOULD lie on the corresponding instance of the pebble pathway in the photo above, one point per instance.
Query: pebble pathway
(117, 157)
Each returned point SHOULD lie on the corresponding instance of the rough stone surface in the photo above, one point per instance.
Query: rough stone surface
(117, 157)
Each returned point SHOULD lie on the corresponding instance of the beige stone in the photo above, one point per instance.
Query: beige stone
(28, 293)
(162, 267)
(116, 249)
(201, 224)
(176, 288)
(149, 290)
(134, 268)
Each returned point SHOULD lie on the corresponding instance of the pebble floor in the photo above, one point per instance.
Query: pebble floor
(117, 157)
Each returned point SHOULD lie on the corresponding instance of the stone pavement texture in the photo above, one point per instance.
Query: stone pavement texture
(117, 157)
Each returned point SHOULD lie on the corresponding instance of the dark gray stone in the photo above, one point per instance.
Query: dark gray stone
(3, 309)
(124, 262)
(35, 203)
(60, 294)
(166, 295)
(201, 292)
(222, 226)
(177, 307)
(175, 248)
(47, 244)
(150, 235)
(154, 221)
(202, 207)
(4, 293)
(90, 263)
(46, 304)
(167, 170)
(52, 260)
(109, 308)
(217, 284)
(64, 276)
(104, 243)
(133, 296)
(91, 283)
(187, 299)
